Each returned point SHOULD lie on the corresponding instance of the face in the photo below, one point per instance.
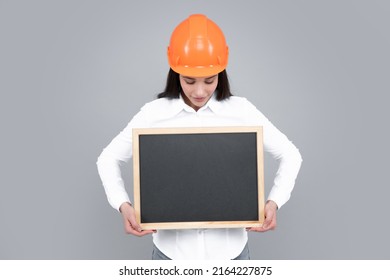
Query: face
(198, 90)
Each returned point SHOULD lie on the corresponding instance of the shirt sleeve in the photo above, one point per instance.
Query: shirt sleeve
(113, 156)
(282, 150)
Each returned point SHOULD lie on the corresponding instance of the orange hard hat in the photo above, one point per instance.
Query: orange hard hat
(198, 48)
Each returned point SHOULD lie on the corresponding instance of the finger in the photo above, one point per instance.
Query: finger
(130, 227)
(270, 223)
(130, 230)
(135, 225)
(135, 229)
(256, 229)
(131, 222)
(144, 232)
(259, 228)
(266, 223)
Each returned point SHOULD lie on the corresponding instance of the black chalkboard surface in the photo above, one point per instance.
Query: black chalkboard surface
(198, 177)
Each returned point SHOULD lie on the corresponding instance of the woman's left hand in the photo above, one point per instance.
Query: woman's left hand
(270, 218)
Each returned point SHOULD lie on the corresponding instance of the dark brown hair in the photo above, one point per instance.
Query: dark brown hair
(173, 88)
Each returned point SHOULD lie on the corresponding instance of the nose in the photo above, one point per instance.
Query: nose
(200, 91)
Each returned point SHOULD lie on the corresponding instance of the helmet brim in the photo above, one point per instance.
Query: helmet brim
(198, 71)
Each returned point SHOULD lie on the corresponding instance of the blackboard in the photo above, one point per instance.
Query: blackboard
(198, 177)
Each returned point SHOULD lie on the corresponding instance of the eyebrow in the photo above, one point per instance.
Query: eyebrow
(190, 78)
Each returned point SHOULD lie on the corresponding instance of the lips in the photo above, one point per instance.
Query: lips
(200, 100)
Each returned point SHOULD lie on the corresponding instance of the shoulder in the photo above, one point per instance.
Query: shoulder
(157, 103)
(164, 104)
(237, 103)
(242, 108)
(238, 100)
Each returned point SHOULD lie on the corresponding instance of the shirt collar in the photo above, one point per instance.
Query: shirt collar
(213, 104)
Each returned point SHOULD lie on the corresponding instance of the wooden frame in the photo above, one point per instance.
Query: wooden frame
(226, 131)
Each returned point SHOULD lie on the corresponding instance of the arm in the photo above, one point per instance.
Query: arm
(289, 158)
(109, 162)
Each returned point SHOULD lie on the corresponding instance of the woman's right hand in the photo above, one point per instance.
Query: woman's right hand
(130, 223)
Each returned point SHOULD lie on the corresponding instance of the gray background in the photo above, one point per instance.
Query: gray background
(73, 73)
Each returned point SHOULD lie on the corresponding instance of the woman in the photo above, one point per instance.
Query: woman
(197, 93)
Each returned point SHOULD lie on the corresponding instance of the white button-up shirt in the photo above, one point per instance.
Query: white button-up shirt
(164, 112)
